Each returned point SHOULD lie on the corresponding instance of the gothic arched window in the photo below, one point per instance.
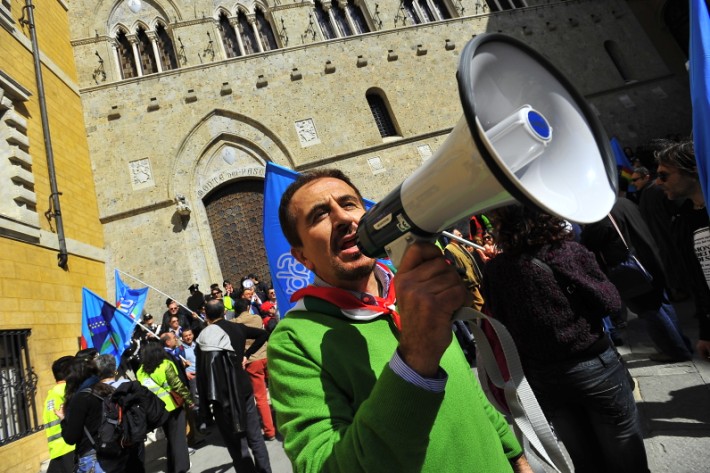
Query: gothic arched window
(145, 51)
(247, 34)
(341, 21)
(166, 49)
(323, 19)
(268, 40)
(126, 58)
(357, 17)
(229, 37)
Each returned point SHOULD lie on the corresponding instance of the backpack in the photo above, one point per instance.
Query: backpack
(127, 415)
(112, 435)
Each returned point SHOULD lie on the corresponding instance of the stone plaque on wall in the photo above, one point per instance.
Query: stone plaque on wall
(141, 174)
(307, 133)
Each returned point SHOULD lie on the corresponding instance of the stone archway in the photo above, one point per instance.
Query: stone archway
(234, 212)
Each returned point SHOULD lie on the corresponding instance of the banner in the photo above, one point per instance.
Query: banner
(287, 274)
(700, 87)
(128, 300)
(103, 326)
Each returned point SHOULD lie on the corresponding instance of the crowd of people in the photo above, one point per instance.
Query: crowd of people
(365, 373)
(203, 365)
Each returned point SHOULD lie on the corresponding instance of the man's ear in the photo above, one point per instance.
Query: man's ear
(298, 254)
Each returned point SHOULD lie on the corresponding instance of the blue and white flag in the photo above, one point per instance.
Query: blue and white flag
(700, 87)
(288, 275)
(128, 300)
(103, 326)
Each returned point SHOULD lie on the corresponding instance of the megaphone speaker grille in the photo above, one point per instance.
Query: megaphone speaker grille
(535, 132)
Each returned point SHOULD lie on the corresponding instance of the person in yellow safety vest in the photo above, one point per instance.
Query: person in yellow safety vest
(160, 375)
(60, 453)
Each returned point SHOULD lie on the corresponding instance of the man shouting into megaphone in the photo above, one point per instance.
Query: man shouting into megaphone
(364, 381)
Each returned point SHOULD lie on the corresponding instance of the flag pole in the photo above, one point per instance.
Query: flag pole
(463, 240)
(156, 290)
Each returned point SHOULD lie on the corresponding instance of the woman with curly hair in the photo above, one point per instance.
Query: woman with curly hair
(159, 374)
(551, 295)
(81, 417)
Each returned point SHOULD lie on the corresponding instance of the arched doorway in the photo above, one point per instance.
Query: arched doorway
(234, 212)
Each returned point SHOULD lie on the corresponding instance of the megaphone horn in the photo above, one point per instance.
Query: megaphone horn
(526, 134)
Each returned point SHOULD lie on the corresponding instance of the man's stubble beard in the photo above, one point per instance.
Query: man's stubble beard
(357, 273)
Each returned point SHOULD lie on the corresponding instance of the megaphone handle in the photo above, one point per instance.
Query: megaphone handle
(395, 250)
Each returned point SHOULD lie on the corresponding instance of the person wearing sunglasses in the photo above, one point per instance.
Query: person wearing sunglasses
(678, 178)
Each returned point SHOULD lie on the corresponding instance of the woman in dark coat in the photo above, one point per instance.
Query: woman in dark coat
(551, 295)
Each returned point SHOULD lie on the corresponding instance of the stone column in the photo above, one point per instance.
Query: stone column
(343, 4)
(153, 37)
(333, 24)
(136, 55)
(234, 22)
(252, 22)
(116, 57)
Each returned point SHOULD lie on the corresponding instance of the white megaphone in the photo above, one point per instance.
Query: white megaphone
(526, 135)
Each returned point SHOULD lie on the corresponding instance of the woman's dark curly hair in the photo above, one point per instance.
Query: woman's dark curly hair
(152, 355)
(523, 229)
(80, 370)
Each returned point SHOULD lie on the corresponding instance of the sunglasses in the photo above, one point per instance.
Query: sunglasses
(663, 176)
(635, 179)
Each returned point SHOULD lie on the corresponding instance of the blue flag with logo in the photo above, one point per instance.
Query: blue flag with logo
(700, 87)
(128, 300)
(287, 274)
(103, 326)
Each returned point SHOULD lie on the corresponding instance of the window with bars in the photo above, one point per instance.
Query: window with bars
(18, 387)
(381, 115)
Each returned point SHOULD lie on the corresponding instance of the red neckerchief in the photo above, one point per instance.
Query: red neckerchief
(347, 300)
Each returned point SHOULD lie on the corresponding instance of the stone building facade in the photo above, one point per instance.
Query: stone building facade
(40, 302)
(185, 102)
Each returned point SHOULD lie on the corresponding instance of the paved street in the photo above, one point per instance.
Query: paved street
(674, 400)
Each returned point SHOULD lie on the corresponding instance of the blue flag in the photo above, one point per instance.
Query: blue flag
(103, 326)
(287, 274)
(129, 301)
(700, 87)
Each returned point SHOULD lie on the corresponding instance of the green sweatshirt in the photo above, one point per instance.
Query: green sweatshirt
(342, 409)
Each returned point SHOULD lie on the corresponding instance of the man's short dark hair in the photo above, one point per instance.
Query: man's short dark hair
(680, 155)
(286, 217)
(241, 305)
(168, 301)
(225, 282)
(60, 367)
(214, 309)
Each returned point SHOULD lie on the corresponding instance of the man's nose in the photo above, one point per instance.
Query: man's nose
(340, 216)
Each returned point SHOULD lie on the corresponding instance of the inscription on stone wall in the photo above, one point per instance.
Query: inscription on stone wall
(141, 174)
(307, 133)
(217, 179)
